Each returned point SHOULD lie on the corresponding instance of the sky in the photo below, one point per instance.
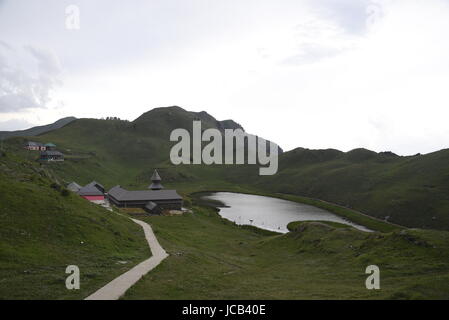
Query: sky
(317, 74)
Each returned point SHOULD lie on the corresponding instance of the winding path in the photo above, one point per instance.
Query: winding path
(117, 287)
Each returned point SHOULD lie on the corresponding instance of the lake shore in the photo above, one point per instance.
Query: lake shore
(269, 213)
(354, 216)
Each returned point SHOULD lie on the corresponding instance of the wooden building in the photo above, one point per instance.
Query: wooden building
(155, 200)
(92, 192)
(34, 146)
(74, 187)
(50, 146)
(51, 156)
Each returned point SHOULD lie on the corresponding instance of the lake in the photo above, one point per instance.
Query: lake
(270, 213)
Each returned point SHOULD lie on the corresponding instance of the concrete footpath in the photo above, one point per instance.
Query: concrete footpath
(117, 287)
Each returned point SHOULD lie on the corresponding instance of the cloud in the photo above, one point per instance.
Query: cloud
(312, 52)
(333, 27)
(350, 15)
(317, 37)
(15, 124)
(4, 44)
(317, 66)
(27, 78)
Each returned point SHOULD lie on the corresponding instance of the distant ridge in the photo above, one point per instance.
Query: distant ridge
(225, 124)
(168, 114)
(35, 131)
(408, 190)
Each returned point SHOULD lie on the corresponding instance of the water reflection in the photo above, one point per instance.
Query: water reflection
(270, 213)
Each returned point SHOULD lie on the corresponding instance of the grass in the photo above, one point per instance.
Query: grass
(212, 258)
(352, 215)
(44, 229)
(296, 225)
(409, 191)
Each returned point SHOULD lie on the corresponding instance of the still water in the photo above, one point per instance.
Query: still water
(270, 213)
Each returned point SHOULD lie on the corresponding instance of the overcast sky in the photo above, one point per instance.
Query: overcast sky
(304, 73)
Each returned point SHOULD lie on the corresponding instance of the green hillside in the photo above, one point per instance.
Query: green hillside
(116, 151)
(34, 131)
(212, 258)
(412, 191)
(44, 229)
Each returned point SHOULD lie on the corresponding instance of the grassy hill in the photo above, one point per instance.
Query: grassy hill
(34, 131)
(411, 191)
(116, 151)
(44, 229)
(212, 258)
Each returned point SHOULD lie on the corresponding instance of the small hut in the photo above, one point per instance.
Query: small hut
(50, 146)
(92, 192)
(74, 187)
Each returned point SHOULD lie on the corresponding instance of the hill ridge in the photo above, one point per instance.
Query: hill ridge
(37, 130)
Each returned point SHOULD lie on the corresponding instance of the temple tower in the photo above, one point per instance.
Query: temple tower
(156, 179)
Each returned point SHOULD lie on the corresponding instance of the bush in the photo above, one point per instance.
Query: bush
(65, 192)
(55, 186)
(187, 203)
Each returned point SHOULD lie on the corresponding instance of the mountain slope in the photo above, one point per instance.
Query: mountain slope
(412, 191)
(123, 152)
(44, 229)
(35, 131)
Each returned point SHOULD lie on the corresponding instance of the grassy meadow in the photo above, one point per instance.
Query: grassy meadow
(44, 229)
(212, 258)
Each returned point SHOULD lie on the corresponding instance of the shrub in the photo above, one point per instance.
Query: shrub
(187, 203)
(55, 186)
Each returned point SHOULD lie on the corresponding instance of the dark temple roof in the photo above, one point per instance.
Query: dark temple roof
(150, 206)
(34, 144)
(121, 194)
(51, 153)
(73, 186)
(155, 176)
(156, 179)
(92, 189)
(97, 185)
(156, 185)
